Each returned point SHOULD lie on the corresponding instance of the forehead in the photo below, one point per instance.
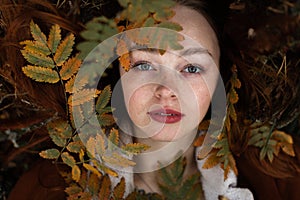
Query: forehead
(197, 27)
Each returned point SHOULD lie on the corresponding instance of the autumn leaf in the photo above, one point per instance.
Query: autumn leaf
(76, 173)
(50, 154)
(125, 61)
(68, 159)
(37, 34)
(64, 50)
(54, 38)
(41, 74)
(69, 68)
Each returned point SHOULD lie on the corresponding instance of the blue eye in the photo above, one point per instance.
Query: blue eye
(193, 69)
(143, 66)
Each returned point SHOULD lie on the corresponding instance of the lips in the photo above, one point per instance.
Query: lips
(168, 116)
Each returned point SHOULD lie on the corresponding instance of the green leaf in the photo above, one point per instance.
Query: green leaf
(68, 159)
(170, 25)
(37, 34)
(54, 38)
(41, 74)
(86, 47)
(36, 58)
(50, 154)
(64, 50)
(91, 35)
(103, 98)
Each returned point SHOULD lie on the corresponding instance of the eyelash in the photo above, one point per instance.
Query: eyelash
(198, 68)
(138, 66)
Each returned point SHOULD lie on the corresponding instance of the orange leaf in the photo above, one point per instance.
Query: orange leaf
(125, 61)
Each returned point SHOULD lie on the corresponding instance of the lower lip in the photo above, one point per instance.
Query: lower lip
(165, 119)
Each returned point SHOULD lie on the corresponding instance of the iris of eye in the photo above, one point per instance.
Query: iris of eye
(193, 69)
(144, 67)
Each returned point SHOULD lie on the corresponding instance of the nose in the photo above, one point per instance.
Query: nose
(163, 92)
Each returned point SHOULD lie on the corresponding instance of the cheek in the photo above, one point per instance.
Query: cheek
(203, 95)
(138, 104)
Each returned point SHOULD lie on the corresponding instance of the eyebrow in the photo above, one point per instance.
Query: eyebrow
(187, 52)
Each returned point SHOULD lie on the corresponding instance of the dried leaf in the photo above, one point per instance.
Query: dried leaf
(54, 38)
(113, 138)
(211, 161)
(93, 184)
(105, 190)
(119, 190)
(50, 154)
(233, 96)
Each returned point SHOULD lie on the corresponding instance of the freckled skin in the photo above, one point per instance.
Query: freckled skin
(170, 86)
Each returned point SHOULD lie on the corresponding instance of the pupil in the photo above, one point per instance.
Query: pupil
(192, 69)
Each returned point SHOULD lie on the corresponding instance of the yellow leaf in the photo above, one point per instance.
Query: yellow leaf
(113, 138)
(64, 50)
(76, 173)
(288, 149)
(69, 68)
(91, 147)
(100, 146)
(103, 98)
(41, 74)
(282, 136)
(54, 38)
(92, 169)
(118, 160)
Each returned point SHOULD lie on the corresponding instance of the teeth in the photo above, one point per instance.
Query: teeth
(166, 114)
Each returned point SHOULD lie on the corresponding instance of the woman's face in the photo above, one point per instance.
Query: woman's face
(168, 95)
